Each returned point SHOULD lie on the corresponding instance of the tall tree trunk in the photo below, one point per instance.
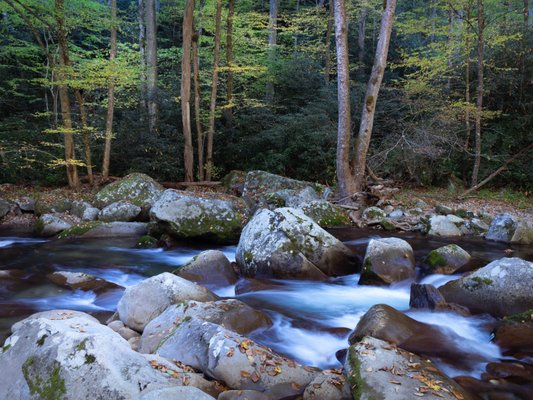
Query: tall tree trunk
(143, 105)
(85, 134)
(188, 156)
(479, 102)
(371, 95)
(345, 176)
(329, 30)
(197, 105)
(214, 85)
(64, 61)
(467, 75)
(228, 111)
(272, 41)
(524, 51)
(361, 34)
(151, 64)
(110, 94)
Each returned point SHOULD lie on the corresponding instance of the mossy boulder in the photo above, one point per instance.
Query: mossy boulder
(147, 242)
(184, 215)
(99, 229)
(47, 206)
(138, 189)
(325, 214)
(50, 225)
(386, 261)
(233, 182)
(119, 211)
(501, 288)
(285, 243)
(373, 215)
(446, 259)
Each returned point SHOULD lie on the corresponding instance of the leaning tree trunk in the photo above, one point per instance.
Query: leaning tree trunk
(188, 157)
(110, 94)
(214, 85)
(272, 41)
(151, 64)
(479, 102)
(64, 61)
(371, 95)
(344, 173)
(197, 105)
(361, 35)
(228, 111)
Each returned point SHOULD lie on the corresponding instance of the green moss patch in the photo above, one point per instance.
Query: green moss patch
(49, 387)
(79, 230)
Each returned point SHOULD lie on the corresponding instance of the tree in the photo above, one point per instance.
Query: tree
(228, 110)
(197, 104)
(151, 64)
(188, 156)
(480, 88)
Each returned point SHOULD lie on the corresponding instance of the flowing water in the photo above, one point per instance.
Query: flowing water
(311, 320)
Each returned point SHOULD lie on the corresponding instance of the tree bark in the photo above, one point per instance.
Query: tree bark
(369, 107)
(345, 176)
(143, 105)
(64, 61)
(197, 104)
(467, 76)
(479, 101)
(228, 111)
(329, 30)
(361, 34)
(214, 86)
(110, 94)
(188, 156)
(272, 41)
(85, 134)
(151, 65)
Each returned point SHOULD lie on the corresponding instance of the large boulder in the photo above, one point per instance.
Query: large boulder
(50, 225)
(85, 211)
(146, 300)
(501, 288)
(376, 370)
(210, 268)
(227, 356)
(523, 233)
(184, 215)
(70, 355)
(386, 261)
(138, 189)
(119, 211)
(325, 214)
(373, 215)
(285, 243)
(446, 259)
(508, 229)
(99, 229)
(330, 385)
(440, 225)
(231, 314)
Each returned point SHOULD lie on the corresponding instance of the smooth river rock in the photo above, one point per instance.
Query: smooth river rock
(210, 268)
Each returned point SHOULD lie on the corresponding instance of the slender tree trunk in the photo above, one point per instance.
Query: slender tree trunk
(272, 42)
(369, 107)
(228, 111)
(151, 65)
(85, 134)
(329, 30)
(188, 156)
(345, 176)
(143, 105)
(110, 94)
(197, 105)
(361, 34)
(524, 51)
(467, 76)
(479, 102)
(214, 86)
(64, 61)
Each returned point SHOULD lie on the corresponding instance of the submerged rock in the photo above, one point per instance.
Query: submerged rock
(210, 268)
(50, 225)
(146, 300)
(501, 288)
(285, 243)
(446, 260)
(386, 261)
(119, 211)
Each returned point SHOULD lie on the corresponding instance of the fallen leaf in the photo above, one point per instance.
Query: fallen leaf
(230, 352)
(395, 382)
(255, 377)
(245, 374)
(186, 380)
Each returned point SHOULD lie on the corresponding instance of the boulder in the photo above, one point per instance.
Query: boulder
(386, 261)
(396, 214)
(85, 211)
(231, 314)
(227, 356)
(501, 288)
(69, 355)
(478, 226)
(377, 370)
(138, 189)
(373, 215)
(47, 206)
(184, 215)
(99, 229)
(233, 182)
(325, 214)
(81, 281)
(210, 268)
(26, 204)
(50, 225)
(119, 211)
(285, 243)
(523, 233)
(440, 225)
(330, 385)
(146, 300)
(178, 392)
(502, 228)
(429, 297)
(5, 208)
(446, 260)
(288, 198)
(443, 210)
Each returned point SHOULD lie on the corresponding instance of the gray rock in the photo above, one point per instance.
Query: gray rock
(243, 395)
(44, 206)
(454, 219)
(386, 261)
(377, 370)
(501, 288)
(502, 228)
(443, 210)
(50, 225)
(330, 385)
(69, 355)
(231, 314)
(446, 259)
(210, 268)
(183, 215)
(138, 189)
(232, 358)
(5, 208)
(373, 215)
(175, 393)
(478, 226)
(428, 297)
(99, 229)
(90, 214)
(26, 204)
(523, 233)
(116, 325)
(145, 301)
(420, 203)
(285, 243)
(442, 226)
(325, 214)
(396, 214)
(81, 281)
(119, 211)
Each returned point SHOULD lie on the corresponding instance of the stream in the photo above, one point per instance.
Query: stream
(311, 320)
